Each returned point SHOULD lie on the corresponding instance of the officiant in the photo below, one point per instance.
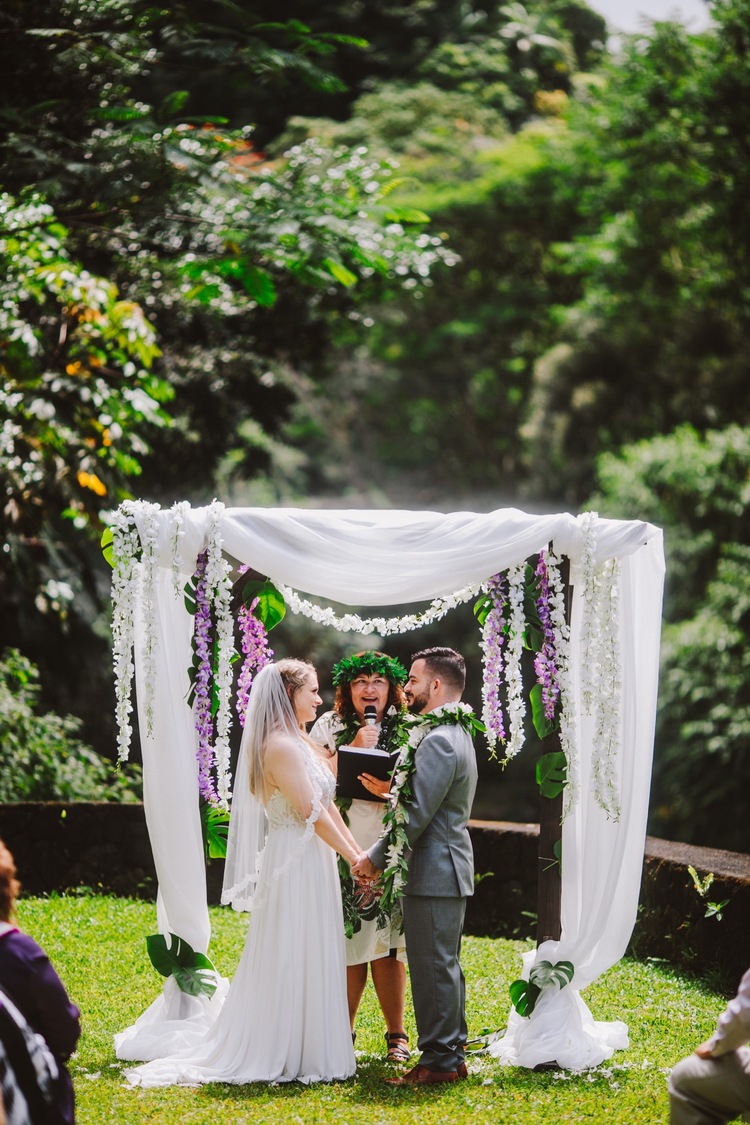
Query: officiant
(368, 716)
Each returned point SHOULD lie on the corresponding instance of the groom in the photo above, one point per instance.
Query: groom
(441, 868)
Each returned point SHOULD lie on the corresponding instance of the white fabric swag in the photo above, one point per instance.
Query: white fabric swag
(371, 558)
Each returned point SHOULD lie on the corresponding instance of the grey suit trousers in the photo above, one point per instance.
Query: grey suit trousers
(433, 928)
(710, 1091)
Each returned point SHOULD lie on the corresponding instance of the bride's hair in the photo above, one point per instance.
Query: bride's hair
(271, 708)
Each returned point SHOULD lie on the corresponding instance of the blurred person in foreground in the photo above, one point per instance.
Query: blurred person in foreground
(30, 985)
(712, 1086)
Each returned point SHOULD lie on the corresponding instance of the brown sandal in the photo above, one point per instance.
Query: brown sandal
(397, 1049)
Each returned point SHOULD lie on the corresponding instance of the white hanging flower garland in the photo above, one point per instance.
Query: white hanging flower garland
(220, 592)
(125, 549)
(587, 522)
(601, 671)
(149, 533)
(608, 694)
(383, 626)
(177, 514)
(517, 624)
(568, 734)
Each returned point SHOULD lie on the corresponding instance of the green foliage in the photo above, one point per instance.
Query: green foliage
(713, 909)
(41, 759)
(193, 972)
(234, 262)
(78, 395)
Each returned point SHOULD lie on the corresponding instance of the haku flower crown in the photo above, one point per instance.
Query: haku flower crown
(368, 664)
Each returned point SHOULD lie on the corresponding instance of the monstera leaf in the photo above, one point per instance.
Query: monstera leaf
(194, 973)
(552, 773)
(215, 829)
(525, 993)
(542, 725)
(271, 607)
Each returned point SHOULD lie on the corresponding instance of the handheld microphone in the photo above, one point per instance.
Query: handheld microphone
(371, 715)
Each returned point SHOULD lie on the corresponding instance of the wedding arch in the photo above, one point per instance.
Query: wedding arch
(607, 674)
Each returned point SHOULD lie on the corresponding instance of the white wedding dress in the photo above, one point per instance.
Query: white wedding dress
(285, 1017)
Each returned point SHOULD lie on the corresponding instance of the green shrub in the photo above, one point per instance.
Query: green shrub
(41, 759)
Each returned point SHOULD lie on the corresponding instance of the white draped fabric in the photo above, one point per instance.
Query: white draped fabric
(371, 558)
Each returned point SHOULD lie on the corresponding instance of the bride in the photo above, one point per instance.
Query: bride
(286, 1015)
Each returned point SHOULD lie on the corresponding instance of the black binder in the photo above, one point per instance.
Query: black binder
(352, 762)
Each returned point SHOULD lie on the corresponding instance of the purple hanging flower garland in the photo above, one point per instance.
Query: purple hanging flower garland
(545, 661)
(203, 683)
(493, 638)
(256, 651)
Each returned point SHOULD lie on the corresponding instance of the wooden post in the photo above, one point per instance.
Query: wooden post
(549, 884)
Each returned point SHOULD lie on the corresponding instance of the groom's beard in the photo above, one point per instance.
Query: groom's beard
(417, 703)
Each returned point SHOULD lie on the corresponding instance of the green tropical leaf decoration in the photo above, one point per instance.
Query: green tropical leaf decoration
(107, 542)
(547, 975)
(533, 637)
(542, 725)
(524, 994)
(482, 607)
(194, 972)
(551, 773)
(215, 828)
(271, 607)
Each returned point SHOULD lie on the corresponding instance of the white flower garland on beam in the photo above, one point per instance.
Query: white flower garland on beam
(383, 626)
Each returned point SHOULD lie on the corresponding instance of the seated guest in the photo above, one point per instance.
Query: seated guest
(712, 1085)
(35, 991)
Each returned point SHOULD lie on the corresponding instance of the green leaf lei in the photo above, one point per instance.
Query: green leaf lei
(360, 902)
(391, 882)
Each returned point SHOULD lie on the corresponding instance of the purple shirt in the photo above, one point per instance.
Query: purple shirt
(26, 974)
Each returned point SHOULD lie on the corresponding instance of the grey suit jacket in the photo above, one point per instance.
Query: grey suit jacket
(441, 861)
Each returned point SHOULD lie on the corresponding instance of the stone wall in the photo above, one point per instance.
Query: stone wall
(105, 848)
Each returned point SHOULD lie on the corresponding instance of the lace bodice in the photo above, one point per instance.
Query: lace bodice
(282, 814)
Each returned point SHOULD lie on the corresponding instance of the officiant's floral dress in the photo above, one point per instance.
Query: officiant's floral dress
(286, 1016)
(365, 820)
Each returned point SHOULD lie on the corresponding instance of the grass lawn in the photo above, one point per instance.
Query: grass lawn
(97, 945)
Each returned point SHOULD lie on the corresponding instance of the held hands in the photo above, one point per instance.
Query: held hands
(365, 869)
